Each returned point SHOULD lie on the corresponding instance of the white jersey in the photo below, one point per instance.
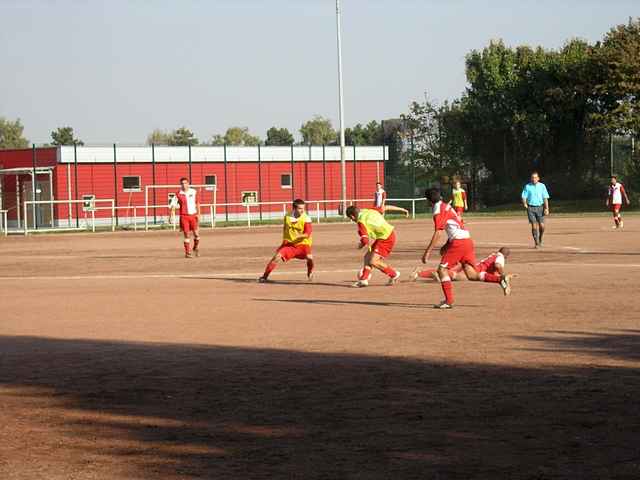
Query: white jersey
(445, 218)
(379, 198)
(615, 193)
(186, 201)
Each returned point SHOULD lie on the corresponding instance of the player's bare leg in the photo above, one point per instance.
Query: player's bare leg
(393, 208)
(535, 234)
(271, 266)
(378, 262)
(310, 266)
(541, 233)
(187, 245)
(196, 243)
(503, 280)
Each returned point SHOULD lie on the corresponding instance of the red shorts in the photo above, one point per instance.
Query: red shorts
(459, 210)
(615, 208)
(188, 223)
(384, 247)
(459, 251)
(288, 252)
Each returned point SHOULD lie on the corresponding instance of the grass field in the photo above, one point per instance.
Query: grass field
(119, 359)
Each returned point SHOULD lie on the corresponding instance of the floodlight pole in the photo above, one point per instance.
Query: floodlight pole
(343, 166)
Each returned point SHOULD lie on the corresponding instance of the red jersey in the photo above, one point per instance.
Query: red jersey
(489, 263)
(186, 201)
(445, 218)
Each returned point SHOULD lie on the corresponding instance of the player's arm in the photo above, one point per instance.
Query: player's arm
(624, 194)
(306, 233)
(430, 247)
(364, 235)
(524, 198)
(609, 195)
(464, 197)
(546, 201)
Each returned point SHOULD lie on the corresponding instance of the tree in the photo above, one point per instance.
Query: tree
(64, 136)
(236, 136)
(371, 134)
(318, 131)
(11, 134)
(182, 136)
(279, 137)
(159, 137)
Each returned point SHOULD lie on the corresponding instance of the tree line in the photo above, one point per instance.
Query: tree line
(561, 111)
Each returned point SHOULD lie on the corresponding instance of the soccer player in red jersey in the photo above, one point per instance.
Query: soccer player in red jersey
(296, 241)
(186, 199)
(614, 200)
(492, 265)
(380, 202)
(458, 250)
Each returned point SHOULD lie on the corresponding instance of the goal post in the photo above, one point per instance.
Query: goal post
(89, 207)
(171, 190)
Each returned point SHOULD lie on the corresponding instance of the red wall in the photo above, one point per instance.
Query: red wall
(98, 179)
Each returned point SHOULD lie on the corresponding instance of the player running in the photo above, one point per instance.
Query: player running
(186, 199)
(493, 265)
(459, 198)
(458, 250)
(614, 201)
(380, 202)
(373, 226)
(296, 241)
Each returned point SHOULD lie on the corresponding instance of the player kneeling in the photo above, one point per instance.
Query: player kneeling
(296, 241)
(372, 225)
(459, 250)
(492, 265)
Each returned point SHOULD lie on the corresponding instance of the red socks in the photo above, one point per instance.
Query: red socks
(390, 272)
(426, 273)
(447, 288)
(271, 266)
(365, 273)
(490, 277)
(309, 266)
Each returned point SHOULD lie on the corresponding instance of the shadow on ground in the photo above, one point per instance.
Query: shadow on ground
(190, 411)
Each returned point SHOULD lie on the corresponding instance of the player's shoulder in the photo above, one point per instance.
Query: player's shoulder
(307, 218)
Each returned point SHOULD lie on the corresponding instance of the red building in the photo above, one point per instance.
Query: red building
(227, 175)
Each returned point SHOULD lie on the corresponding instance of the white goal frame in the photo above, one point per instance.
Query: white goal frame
(111, 206)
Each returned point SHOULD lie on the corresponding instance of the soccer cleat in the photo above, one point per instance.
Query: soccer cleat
(443, 306)
(505, 284)
(310, 277)
(393, 280)
(188, 255)
(196, 252)
(262, 280)
(361, 284)
(415, 274)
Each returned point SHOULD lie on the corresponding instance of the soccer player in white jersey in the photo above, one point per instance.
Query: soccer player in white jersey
(614, 200)
(459, 249)
(380, 202)
(186, 199)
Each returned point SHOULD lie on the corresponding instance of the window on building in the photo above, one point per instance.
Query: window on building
(285, 180)
(131, 184)
(249, 197)
(210, 182)
(88, 203)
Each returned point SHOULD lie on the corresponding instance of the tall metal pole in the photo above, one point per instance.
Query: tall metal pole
(343, 165)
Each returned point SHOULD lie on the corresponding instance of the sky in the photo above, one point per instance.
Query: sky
(116, 70)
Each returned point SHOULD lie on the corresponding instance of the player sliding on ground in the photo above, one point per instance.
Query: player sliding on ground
(493, 265)
(296, 241)
(187, 200)
(380, 202)
(458, 250)
(614, 201)
(373, 226)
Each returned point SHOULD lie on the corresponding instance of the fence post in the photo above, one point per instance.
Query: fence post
(260, 180)
(153, 180)
(113, 213)
(75, 180)
(318, 211)
(34, 186)
(413, 209)
(248, 215)
(284, 209)
(115, 179)
(93, 220)
(146, 208)
(26, 219)
(213, 218)
(135, 219)
(226, 183)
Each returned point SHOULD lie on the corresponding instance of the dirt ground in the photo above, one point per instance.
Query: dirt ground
(119, 359)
